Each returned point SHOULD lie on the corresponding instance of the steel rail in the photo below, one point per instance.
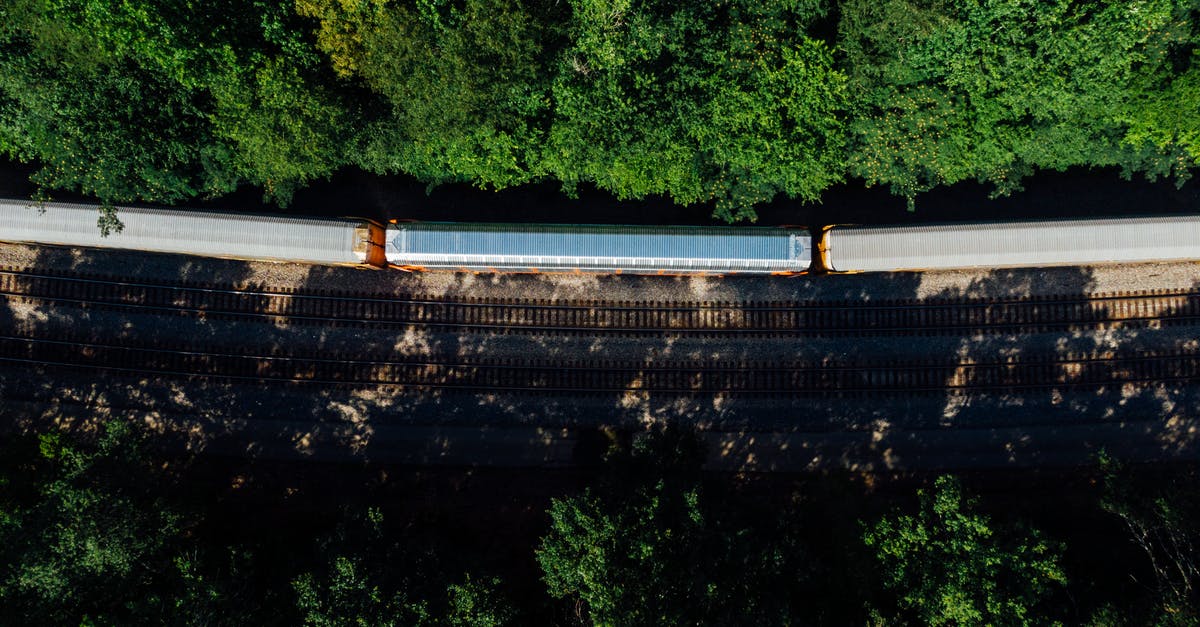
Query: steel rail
(527, 329)
(787, 306)
(715, 377)
(926, 317)
(836, 393)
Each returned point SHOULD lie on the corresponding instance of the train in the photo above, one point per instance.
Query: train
(611, 249)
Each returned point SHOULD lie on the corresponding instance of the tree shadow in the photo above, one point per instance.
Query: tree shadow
(1060, 423)
(75, 397)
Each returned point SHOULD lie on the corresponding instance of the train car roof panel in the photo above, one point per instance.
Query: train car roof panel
(1011, 244)
(550, 247)
(209, 233)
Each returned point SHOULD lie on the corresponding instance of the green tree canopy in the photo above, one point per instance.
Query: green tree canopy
(950, 565)
(464, 84)
(951, 90)
(726, 102)
(167, 100)
(1161, 512)
(652, 546)
(83, 538)
(374, 576)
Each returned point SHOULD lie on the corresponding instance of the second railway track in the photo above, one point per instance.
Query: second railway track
(790, 378)
(899, 317)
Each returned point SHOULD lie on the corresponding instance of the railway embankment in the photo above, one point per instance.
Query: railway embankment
(902, 370)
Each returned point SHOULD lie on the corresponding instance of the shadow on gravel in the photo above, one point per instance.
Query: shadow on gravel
(8, 387)
(1060, 423)
(496, 427)
(75, 398)
(1066, 423)
(1057, 424)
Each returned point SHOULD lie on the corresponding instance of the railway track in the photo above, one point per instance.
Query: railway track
(815, 318)
(788, 378)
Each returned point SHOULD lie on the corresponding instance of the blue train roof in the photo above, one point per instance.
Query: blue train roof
(598, 247)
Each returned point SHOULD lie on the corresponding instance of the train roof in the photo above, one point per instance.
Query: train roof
(600, 248)
(1010, 244)
(210, 233)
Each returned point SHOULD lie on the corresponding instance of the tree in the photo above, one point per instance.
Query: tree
(729, 103)
(346, 595)
(725, 104)
(373, 576)
(653, 547)
(461, 85)
(946, 91)
(74, 97)
(1160, 512)
(1163, 119)
(283, 128)
(83, 535)
(949, 565)
(165, 101)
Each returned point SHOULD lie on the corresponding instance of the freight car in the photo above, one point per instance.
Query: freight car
(610, 249)
(607, 249)
(1009, 244)
(418, 246)
(208, 233)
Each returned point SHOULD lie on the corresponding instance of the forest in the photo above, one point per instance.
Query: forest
(722, 105)
(100, 528)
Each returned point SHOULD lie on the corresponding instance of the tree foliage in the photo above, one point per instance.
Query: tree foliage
(946, 91)
(98, 121)
(165, 101)
(373, 576)
(726, 102)
(950, 565)
(100, 528)
(83, 539)
(1161, 514)
(652, 546)
(462, 84)
(103, 533)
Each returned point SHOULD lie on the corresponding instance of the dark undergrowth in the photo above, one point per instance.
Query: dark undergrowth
(101, 529)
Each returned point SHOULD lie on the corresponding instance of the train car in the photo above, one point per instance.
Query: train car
(609, 249)
(537, 248)
(1010, 244)
(207, 233)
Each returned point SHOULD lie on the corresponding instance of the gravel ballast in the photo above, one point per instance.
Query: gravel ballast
(307, 420)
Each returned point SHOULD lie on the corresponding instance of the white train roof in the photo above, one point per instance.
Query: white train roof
(206, 233)
(1001, 244)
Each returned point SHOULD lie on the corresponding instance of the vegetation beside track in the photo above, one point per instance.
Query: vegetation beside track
(100, 529)
(721, 104)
